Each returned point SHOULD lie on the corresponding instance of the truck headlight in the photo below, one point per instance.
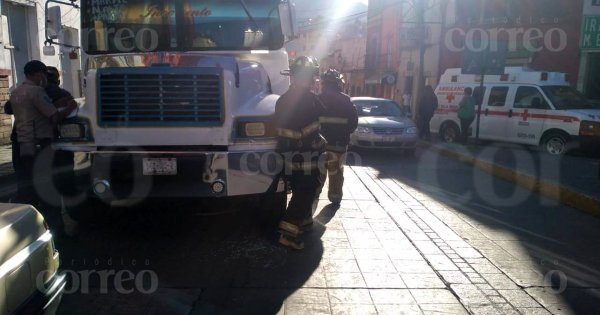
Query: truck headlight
(589, 128)
(71, 131)
(74, 130)
(255, 129)
(364, 130)
(411, 131)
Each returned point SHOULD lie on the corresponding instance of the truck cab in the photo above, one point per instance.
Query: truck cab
(179, 96)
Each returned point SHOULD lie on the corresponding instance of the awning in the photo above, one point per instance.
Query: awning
(382, 78)
(374, 79)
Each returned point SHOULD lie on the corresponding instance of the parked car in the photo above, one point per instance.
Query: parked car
(382, 123)
(29, 282)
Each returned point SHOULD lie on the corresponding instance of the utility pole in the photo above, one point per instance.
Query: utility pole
(419, 6)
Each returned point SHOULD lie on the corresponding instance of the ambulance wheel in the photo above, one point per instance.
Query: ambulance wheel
(449, 133)
(555, 143)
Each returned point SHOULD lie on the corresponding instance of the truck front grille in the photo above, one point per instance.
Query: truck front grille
(160, 97)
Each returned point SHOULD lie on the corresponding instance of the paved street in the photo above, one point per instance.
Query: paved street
(414, 235)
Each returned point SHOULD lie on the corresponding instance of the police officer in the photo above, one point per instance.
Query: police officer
(301, 145)
(338, 121)
(35, 121)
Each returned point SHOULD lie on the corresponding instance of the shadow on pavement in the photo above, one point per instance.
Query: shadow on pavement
(204, 263)
(544, 247)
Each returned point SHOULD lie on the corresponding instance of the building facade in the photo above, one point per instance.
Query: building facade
(540, 34)
(338, 43)
(22, 36)
(397, 32)
(589, 70)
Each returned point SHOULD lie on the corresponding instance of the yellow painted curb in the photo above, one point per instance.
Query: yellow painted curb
(553, 191)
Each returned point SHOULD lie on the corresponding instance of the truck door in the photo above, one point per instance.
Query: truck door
(494, 114)
(528, 115)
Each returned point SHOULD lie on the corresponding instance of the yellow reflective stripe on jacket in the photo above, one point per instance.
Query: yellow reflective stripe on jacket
(302, 166)
(297, 135)
(335, 148)
(288, 133)
(311, 128)
(333, 120)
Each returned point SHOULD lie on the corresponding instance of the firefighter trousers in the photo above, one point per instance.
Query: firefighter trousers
(335, 171)
(304, 185)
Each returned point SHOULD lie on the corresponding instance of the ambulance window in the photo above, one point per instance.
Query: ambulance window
(530, 97)
(498, 96)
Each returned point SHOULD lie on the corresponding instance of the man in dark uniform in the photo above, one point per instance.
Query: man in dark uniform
(301, 145)
(64, 162)
(338, 121)
(35, 120)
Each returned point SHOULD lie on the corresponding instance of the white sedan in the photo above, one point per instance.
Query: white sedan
(382, 123)
(29, 281)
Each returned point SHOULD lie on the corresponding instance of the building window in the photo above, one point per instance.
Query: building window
(469, 10)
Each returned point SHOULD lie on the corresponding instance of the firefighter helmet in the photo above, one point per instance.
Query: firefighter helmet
(332, 77)
(304, 65)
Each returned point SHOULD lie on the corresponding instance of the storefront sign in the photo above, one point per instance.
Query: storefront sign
(590, 32)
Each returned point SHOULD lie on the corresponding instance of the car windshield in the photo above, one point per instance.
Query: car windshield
(190, 25)
(378, 108)
(566, 97)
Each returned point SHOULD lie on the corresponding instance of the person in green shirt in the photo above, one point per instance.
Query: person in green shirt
(466, 114)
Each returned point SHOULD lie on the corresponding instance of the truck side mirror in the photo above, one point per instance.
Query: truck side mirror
(53, 22)
(287, 16)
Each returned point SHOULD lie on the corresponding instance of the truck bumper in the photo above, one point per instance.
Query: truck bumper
(126, 175)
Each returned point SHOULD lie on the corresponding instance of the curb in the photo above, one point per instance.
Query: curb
(550, 190)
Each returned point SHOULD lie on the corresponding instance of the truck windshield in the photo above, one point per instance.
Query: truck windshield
(566, 97)
(130, 26)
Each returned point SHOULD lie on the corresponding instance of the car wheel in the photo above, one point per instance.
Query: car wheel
(555, 143)
(449, 133)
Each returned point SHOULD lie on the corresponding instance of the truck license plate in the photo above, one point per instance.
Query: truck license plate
(164, 166)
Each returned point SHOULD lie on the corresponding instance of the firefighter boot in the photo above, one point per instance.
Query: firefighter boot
(290, 235)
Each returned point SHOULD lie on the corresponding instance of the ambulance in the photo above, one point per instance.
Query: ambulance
(521, 106)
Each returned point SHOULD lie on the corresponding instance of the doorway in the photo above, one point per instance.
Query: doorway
(592, 82)
(18, 30)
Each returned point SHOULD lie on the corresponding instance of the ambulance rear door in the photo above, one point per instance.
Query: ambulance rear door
(528, 114)
(494, 115)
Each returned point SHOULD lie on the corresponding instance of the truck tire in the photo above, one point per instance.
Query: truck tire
(449, 132)
(555, 143)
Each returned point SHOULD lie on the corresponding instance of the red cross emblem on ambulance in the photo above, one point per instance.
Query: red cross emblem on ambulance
(526, 115)
(451, 97)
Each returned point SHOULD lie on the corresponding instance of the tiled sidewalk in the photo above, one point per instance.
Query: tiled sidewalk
(387, 251)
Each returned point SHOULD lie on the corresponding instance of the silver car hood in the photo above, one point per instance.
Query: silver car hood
(397, 122)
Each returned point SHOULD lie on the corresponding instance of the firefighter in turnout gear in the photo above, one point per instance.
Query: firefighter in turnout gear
(338, 121)
(301, 145)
